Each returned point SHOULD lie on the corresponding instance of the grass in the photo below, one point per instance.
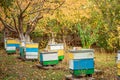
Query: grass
(12, 68)
(106, 63)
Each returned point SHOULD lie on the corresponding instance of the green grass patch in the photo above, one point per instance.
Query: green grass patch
(12, 68)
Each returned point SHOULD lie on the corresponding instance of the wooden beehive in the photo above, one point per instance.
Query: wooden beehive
(49, 58)
(11, 45)
(31, 50)
(118, 63)
(59, 48)
(81, 62)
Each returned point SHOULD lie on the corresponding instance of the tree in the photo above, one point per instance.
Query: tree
(22, 16)
(109, 13)
(88, 30)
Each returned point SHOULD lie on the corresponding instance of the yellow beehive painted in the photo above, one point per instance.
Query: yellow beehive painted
(34, 45)
(118, 72)
(118, 65)
(81, 54)
(13, 41)
(71, 56)
(61, 52)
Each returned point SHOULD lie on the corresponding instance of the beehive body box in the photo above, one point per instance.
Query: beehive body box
(22, 52)
(81, 54)
(11, 45)
(118, 66)
(31, 51)
(49, 58)
(118, 63)
(11, 49)
(81, 62)
(58, 47)
(118, 55)
(5, 43)
(82, 72)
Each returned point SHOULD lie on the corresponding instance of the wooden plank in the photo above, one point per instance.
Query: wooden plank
(48, 57)
(31, 56)
(60, 58)
(81, 51)
(56, 46)
(118, 56)
(13, 41)
(82, 72)
(86, 55)
(31, 53)
(81, 64)
(50, 62)
(11, 48)
(31, 50)
(32, 45)
(61, 52)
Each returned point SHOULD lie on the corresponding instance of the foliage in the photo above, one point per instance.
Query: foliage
(23, 16)
(88, 34)
(109, 13)
(1, 35)
(13, 69)
(87, 14)
(6, 3)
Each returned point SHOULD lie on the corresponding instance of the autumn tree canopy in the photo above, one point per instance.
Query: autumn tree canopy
(22, 16)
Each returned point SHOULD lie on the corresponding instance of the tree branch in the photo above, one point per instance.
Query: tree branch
(59, 6)
(32, 24)
(40, 8)
(15, 25)
(26, 8)
(46, 9)
(9, 27)
(19, 6)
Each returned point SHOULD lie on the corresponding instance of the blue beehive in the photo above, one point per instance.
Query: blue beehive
(11, 45)
(81, 62)
(31, 50)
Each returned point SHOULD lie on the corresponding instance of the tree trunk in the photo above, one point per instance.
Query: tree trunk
(53, 38)
(64, 42)
(27, 38)
(24, 39)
